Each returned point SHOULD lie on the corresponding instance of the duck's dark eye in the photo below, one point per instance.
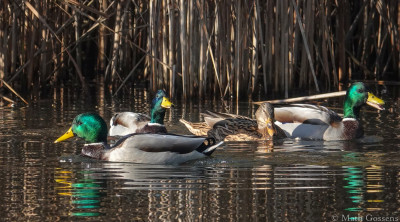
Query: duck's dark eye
(360, 91)
(78, 123)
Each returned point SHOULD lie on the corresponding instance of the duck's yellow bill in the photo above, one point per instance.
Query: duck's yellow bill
(270, 128)
(66, 135)
(375, 102)
(166, 103)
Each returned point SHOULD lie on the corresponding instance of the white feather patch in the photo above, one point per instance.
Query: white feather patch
(349, 119)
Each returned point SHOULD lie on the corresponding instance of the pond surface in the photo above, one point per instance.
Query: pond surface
(292, 180)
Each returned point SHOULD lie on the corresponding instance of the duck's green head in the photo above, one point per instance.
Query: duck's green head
(356, 96)
(158, 107)
(88, 126)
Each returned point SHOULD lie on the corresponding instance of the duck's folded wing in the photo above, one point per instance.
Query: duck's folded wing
(306, 113)
(223, 115)
(211, 121)
(212, 118)
(124, 122)
(199, 129)
(162, 143)
(241, 129)
(94, 150)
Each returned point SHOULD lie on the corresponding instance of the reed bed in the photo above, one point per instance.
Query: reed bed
(198, 48)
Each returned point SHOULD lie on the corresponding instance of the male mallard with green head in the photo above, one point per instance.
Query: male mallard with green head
(125, 123)
(318, 122)
(137, 147)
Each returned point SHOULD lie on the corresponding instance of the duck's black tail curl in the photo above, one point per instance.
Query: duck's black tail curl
(208, 146)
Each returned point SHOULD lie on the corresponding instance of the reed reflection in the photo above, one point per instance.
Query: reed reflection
(364, 186)
(152, 192)
(374, 188)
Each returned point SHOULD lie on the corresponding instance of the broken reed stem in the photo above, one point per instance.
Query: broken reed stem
(8, 99)
(305, 98)
(12, 90)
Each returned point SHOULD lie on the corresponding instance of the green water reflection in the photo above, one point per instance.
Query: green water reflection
(85, 193)
(365, 188)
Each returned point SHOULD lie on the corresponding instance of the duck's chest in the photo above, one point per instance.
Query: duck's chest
(352, 129)
(348, 129)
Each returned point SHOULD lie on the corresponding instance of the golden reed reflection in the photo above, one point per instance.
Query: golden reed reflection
(365, 188)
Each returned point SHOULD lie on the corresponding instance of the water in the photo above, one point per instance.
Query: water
(288, 181)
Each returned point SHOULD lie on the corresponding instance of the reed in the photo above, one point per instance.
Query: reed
(199, 48)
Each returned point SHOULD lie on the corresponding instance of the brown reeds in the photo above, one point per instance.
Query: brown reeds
(199, 48)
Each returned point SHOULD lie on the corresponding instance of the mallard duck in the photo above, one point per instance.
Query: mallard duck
(125, 123)
(318, 122)
(231, 127)
(137, 147)
(198, 129)
(210, 118)
(246, 129)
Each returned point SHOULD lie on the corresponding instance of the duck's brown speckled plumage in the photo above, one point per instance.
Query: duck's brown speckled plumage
(237, 130)
(246, 129)
(94, 150)
(198, 129)
(231, 127)
(352, 130)
(210, 118)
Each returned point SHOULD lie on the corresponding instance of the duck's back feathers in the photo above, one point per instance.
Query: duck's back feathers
(236, 130)
(152, 128)
(307, 114)
(211, 121)
(198, 129)
(154, 149)
(210, 118)
(161, 143)
(223, 115)
(128, 122)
